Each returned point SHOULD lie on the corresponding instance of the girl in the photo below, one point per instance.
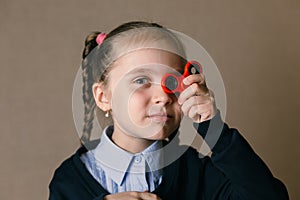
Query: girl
(122, 74)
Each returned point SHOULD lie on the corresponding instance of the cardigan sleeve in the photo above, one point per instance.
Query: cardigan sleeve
(234, 170)
(72, 181)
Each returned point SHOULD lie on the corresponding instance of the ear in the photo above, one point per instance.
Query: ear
(101, 96)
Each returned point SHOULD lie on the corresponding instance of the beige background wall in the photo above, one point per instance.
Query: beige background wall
(254, 43)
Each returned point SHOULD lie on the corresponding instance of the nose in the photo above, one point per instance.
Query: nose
(159, 96)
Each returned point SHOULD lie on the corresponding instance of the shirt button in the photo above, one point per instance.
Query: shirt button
(137, 159)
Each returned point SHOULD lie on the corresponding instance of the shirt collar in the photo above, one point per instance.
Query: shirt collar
(116, 161)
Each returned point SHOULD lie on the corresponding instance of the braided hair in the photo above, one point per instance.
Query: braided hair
(87, 73)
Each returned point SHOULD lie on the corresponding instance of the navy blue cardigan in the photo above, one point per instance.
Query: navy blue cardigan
(233, 171)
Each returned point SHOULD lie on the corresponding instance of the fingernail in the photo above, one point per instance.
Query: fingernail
(185, 81)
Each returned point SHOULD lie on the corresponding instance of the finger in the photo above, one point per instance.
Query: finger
(192, 101)
(194, 78)
(192, 90)
(148, 196)
(200, 113)
(198, 81)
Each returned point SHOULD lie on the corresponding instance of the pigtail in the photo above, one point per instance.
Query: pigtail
(87, 94)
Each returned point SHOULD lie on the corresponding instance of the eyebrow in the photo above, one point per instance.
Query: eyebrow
(149, 71)
(139, 71)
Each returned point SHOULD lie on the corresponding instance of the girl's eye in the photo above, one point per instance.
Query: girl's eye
(141, 81)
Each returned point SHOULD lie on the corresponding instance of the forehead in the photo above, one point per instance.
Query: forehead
(147, 57)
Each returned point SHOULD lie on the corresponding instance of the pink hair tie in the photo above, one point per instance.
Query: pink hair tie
(100, 38)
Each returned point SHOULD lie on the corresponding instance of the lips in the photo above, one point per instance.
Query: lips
(159, 117)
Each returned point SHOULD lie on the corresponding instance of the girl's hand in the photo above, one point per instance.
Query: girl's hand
(197, 101)
(132, 196)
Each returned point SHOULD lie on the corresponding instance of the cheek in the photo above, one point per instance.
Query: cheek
(177, 107)
(137, 102)
(178, 113)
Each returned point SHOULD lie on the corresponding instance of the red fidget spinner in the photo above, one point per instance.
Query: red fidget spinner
(172, 84)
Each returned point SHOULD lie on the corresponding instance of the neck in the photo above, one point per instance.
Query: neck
(130, 143)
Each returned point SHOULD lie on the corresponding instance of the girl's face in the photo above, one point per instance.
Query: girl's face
(140, 107)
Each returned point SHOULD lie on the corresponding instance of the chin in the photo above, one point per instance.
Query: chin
(162, 135)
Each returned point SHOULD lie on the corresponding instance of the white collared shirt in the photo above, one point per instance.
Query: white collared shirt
(118, 170)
